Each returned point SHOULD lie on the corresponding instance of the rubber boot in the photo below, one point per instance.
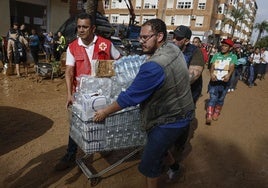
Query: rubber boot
(217, 112)
(210, 111)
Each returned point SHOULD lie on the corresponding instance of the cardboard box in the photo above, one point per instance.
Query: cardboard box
(221, 68)
(105, 68)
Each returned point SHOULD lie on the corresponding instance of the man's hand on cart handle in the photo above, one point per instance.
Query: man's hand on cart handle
(69, 101)
(101, 114)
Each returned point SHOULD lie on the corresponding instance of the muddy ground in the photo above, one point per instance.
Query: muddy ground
(231, 153)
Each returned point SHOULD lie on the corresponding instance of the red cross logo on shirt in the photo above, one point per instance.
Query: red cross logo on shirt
(103, 46)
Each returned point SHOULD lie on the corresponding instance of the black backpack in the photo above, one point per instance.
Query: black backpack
(20, 54)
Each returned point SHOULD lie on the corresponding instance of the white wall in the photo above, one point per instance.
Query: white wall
(58, 13)
(5, 17)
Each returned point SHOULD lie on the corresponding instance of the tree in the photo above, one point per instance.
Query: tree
(262, 42)
(236, 15)
(261, 27)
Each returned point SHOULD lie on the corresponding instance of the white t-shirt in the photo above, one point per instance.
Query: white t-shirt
(256, 58)
(265, 57)
(70, 60)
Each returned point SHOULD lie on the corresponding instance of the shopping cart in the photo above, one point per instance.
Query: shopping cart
(119, 131)
(48, 70)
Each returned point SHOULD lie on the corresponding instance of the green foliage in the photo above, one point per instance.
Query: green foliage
(237, 15)
(261, 27)
(56, 67)
(263, 42)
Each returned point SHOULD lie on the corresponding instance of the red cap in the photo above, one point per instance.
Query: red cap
(228, 41)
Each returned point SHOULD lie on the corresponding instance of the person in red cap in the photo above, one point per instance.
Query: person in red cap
(222, 67)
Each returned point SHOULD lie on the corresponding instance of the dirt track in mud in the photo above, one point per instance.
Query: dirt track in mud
(231, 153)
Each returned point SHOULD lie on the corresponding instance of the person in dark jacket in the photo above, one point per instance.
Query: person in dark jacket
(193, 56)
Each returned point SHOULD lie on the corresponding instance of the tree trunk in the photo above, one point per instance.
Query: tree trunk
(259, 36)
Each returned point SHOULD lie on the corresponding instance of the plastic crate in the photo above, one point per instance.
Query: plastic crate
(118, 131)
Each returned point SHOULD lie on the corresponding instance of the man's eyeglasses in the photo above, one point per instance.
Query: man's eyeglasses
(145, 38)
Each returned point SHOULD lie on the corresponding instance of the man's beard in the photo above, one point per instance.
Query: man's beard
(151, 51)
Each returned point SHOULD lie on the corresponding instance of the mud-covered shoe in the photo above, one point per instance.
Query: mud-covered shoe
(66, 161)
(210, 111)
(175, 175)
(208, 120)
(216, 113)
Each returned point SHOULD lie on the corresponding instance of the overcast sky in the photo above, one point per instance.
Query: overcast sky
(262, 14)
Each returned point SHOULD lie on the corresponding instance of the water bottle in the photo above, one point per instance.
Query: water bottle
(126, 69)
(120, 71)
(104, 87)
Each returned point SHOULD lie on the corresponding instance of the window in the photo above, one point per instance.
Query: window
(113, 5)
(218, 25)
(138, 4)
(220, 11)
(199, 21)
(144, 20)
(170, 4)
(123, 18)
(107, 16)
(182, 20)
(234, 2)
(180, 5)
(147, 17)
(114, 19)
(106, 4)
(147, 5)
(184, 4)
(138, 19)
(150, 4)
(172, 20)
(202, 4)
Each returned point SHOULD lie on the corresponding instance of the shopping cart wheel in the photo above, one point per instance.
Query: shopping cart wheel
(94, 181)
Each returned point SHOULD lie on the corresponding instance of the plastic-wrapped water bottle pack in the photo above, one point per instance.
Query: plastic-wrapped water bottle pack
(127, 68)
(94, 93)
(119, 130)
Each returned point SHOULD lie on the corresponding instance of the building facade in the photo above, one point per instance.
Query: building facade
(39, 14)
(206, 18)
(210, 20)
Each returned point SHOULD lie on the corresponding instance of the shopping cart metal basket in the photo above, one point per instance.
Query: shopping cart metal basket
(47, 70)
(119, 131)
